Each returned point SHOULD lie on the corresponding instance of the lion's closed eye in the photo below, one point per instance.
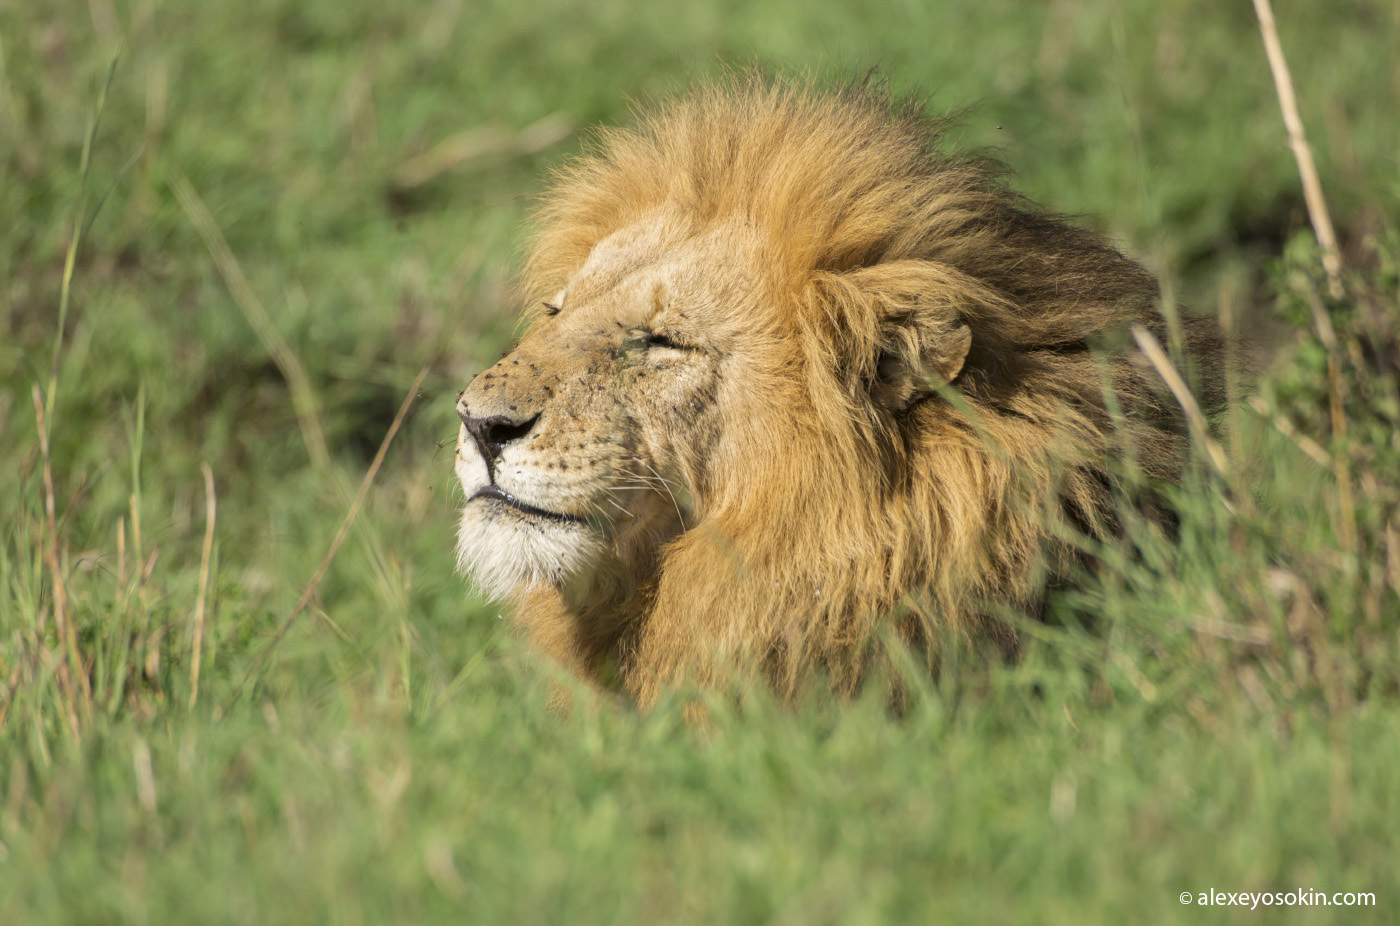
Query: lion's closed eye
(658, 341)
(666, 340)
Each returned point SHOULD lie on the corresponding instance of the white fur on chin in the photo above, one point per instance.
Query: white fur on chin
(504, 552)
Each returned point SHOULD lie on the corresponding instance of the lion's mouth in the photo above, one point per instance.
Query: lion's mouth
(498, 494)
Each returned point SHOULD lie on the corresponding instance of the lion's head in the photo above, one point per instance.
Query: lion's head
(790, 367)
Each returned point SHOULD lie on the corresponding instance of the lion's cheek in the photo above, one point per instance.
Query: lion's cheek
(675, 433)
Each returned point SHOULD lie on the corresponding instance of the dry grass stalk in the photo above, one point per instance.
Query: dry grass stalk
(209, 510)
(299, 384)
(1195, 419)
(136, 547)
(310, 590)
(71, 670)
(1321, 220)
(483, 144)
(121, 555)
(1304, 443)
(1302, 152)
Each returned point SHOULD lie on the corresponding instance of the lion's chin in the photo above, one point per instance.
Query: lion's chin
(504, 551)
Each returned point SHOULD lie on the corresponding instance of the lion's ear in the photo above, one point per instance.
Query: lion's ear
(922, 340)
(916, 360)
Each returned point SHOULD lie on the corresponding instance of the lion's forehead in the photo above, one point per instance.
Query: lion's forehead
(711, 272)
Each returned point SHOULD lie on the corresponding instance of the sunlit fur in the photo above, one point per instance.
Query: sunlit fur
(836, 493)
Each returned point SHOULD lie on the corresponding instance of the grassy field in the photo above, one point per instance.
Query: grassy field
(290, 207)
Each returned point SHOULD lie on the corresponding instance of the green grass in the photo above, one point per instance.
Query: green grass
(1217, 714)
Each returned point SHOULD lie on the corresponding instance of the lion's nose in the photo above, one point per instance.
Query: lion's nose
(493, 433)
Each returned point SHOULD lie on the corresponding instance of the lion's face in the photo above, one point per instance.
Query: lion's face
(595, 439)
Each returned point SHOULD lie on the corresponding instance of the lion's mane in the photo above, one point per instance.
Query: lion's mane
(947, 504)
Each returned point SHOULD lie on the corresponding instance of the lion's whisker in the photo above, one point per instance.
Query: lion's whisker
(656, 480)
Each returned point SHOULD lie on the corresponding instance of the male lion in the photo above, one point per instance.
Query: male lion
(795, 368)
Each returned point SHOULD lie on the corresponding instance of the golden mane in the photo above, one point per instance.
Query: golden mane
(881, 486)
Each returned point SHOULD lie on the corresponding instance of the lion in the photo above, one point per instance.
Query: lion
(790, 370)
